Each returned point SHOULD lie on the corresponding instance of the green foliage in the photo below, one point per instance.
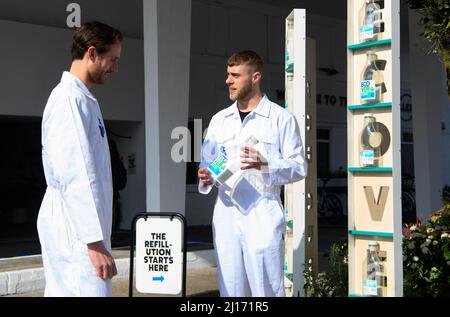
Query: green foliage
(333, 282)
(436, 23)
(426, 256)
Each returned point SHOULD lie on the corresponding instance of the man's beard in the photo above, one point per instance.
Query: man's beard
(97, 78)
(244, 92)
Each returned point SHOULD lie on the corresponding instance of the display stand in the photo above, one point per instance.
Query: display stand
(374, 158)
(300, 197)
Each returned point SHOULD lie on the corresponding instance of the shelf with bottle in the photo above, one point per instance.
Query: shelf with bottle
(371, 24)
(370, 84)
(374, 262)
(370, 149)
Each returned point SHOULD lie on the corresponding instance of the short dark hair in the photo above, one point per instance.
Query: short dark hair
(96, 34)
(247, 58)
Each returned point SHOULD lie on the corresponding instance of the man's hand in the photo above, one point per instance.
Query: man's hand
(102, 260)
(252, 158)
(203, 175)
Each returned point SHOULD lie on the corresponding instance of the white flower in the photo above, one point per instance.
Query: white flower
(435, 242)
(412, 228)
(430, 237)
(413, 266)
(444, 235)
(411, 245)
(430, 230)
(427, 242)
(448, 262)
(416, 258)
(425, 250)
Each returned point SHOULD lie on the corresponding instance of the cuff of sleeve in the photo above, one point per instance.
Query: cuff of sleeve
(204, 189)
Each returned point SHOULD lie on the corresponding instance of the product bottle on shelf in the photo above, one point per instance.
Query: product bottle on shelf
(370, 28)
(371, 81)
(290, 51)
(370, 141)
(374, 283)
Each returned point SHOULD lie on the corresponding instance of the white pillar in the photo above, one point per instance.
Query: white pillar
(167, 37)
(427, 90)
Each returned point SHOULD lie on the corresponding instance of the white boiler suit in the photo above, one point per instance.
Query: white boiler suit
(249, 246)
(77, 206)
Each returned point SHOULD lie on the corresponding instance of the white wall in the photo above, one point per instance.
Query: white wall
(33, 58)
(32, 63)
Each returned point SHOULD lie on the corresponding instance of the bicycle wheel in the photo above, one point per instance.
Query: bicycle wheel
(408, 208)
(333, 211)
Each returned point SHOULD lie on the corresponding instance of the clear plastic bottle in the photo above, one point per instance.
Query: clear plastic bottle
(371, 81)
(370, 143)
(374, 283)
(370, 28)
(290, 51)
(224, 167)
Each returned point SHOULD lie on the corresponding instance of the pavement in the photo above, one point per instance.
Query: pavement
(23, 276)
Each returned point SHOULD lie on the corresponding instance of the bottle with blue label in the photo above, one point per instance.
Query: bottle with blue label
(371, 89)
(225, 166)
(371, 24)
(375, 281)
(370, 142)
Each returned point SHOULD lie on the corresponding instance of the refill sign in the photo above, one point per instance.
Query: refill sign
(159, 255)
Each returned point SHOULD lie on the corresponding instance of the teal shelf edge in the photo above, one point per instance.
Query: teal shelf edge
(371, 233)
(369, 169)
(354, 295)
(370, 106)
(369, 44)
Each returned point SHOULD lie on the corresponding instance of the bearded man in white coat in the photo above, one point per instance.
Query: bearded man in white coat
(75, 217)
(248, 222)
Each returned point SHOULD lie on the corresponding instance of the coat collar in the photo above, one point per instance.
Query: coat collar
(263, 108)
(69, 78)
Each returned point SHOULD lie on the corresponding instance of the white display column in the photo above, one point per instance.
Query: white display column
(167, 36)
(428, 91)
(301, 197)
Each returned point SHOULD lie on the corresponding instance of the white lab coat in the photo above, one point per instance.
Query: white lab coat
(249, 246)
(77, 206)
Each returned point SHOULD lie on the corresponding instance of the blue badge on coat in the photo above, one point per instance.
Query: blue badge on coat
(102, 128)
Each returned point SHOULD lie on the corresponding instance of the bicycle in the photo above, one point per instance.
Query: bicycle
(408, 199)
(330, 208)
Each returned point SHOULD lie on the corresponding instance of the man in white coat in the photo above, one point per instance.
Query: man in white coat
(248, 222)
(74, 222)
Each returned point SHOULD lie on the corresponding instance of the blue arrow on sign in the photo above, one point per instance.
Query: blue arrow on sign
(161, 279)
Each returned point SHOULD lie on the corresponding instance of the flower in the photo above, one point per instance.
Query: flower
(425, 250)
(415, 258)
(413, 266)
(413, 228)
(444, 235)
(430, 230)
(435, 242)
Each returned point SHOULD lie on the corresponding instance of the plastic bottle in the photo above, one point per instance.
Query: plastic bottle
(370, 143)
(370, 22)
(224, 167)
(290, 51)
(375, 280)
(371, 81)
